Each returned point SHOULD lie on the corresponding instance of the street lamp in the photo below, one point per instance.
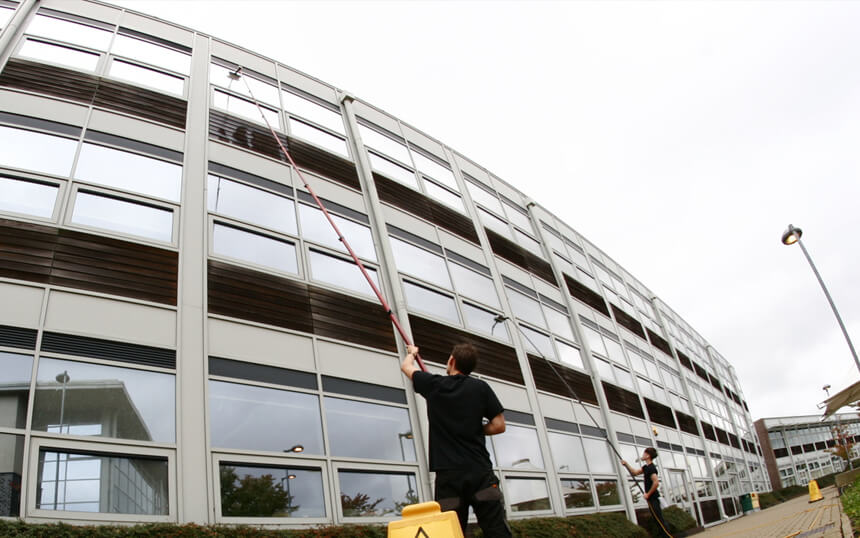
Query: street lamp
(286, 480)
(295, 448)
(64, 379)
(792, 236)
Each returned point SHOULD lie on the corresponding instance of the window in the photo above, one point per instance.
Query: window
(567, 452)
(444, 195)
(527, 494)
(474, 285)
(314, 112)
(426, 300)
(384, 144)
(255, 491)
(83, 482)
(70, 32)
(518, 448)
(435, 170)
(597, 454)
(623, 377)
(110, 213)
(494, 223)
(81, 398)
(559, 323)
(368, 430)
(258, 418)
(483, 321)
(5, 15)
(340, 272)
(67, 56)
(569, 355)
(595, 342)
(11, 470)
(394, 171)
(263, 92)
(15, 378)
(315, 227)
(152, 54)
(27, 197)
(375, 494)
(244, 108)
(252, 205)
(129, 172)
(518, 217)
(537, 342)
(483, 197)
(145, 76)
(319, 137)
(420, 263)
(577, 492)
(607, 492)
(525, 308)
(255, 248)
(529, 243)
(39, 152)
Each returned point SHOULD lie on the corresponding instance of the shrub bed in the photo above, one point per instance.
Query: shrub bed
(851, 503)
(63, 530)
(677, 522)
(610, 525)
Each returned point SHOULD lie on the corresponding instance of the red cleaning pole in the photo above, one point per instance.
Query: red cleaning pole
(235, 75)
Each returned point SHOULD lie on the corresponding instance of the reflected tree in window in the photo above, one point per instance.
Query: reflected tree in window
(360, 505)
(254, 496)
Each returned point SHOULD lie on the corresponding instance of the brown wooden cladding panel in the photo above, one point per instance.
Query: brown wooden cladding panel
(322, 162)
(412, 201)
(549, 381)
(581, 292)
(658, 342)
(701, 372)
(623, 401)
(685, 360)
(436, 340)
(257, 138)
(87, 261)
(686, 423)
(708, 430)
(659, 413)
(722, 435)
(101, 92)
(521, 257)
(626, 320)
(715, 383)
(735, 442)
(244, 293)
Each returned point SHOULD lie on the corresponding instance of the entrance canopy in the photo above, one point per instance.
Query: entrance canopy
(842, 398)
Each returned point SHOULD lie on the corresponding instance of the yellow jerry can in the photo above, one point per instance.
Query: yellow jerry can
(425, 520)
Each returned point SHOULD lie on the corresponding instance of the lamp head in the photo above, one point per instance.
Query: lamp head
(791, 235)
(295, 448)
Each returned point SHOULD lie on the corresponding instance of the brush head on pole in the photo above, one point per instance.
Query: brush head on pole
(235, 75)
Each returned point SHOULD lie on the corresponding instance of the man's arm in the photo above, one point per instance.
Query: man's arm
(634, 472)
(495, 426)
(408, 366)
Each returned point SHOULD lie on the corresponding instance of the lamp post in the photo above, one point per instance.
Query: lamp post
(792, 236)
(287, 479)
(400, 438)
(839, 437)
(64, 379)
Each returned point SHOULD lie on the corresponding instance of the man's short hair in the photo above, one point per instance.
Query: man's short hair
(651, 451)
(465, 357)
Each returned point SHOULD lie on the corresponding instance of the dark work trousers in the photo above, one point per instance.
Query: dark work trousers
(654, 502)
(457, 490)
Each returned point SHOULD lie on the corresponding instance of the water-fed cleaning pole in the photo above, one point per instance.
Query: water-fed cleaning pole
(237, 75)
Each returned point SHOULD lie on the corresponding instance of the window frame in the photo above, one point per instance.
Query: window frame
(59, 201)
(341, 464)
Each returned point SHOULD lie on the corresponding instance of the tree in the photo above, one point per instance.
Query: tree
(360, 505)
(253, 496)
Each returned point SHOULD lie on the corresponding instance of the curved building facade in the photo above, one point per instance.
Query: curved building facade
(183, 338)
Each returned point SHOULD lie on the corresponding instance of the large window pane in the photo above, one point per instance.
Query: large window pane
(567, 452)
(271, 491)
(597, 453)
(474, 285)
(537, 342)
(605, 369)
(518, 448)
(36, 151)
(569, 355)
(426, 300)
(81, 482)
(252, 205)
(129, 172)
(595, 341)
(366, 430)
(444, 195)
(5, 15)
(257, 418)
(435, 170)
(421, 263)
(480, 196)
(319, 114)
(263, 92)
(525, 308)
(107, 401)
(70, 57)
(527, 494)
(559, 323)
(27, 197)
(245, 108)
(369, 494)
(528, 243)
(15, 375)
(614, 350)
(342, 273)
(577, 492)
(394, 171)
(11, 469)
(384, 144)
(493, 223)
(121, 216)
(517, 218)
(152, 54)
(70, 32)
(319, 137)
(145, 76)
(255, 248)
(315, 227)
(607, 492)
(483, 321)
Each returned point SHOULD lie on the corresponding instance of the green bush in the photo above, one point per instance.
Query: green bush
(851, 503)
(677, 521)
(613, 524)
(163, 530)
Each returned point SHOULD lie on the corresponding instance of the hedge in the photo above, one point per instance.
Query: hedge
(677, 521)
(610, 525)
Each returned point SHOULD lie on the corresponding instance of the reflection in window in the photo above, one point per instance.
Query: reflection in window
(79, 482)
(70, 32)
(480, 196)
(597, 453)
(525, 308)
(518, 218)
(27, 197)
(271, 491)
(126, 217)
(107, 401)
(567, 452)
(252, 205)
(432, 302)
(518, 448)
(483, 321)
(605, 369)
(394, 171)
(595, 341)
(529, 243)
(255, 248)
(36, 151)
(559, 323)
(152, 54)
(435, 170)
(373, 494)
(319, 137)
(129, 172)
(527, 494)
(494, 223)
(5, 15)
(15, 375)
(315, 227)
(244, 108)
(67, 56)
(537, 342)
(384, 144)
(367, 430)
(607, 492)
(613, 348)
(577, 492)
(257, 418)
(569, 355)
(263, 92)
(309, 110)
(11, 472)
(421, 263)
(474, 285)
(623, 377)
(145, 76)
(340, 272)
(444, 195)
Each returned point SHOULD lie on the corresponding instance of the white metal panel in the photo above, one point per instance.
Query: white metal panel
(359, 364)
(513, 398)
(21, 305)
(555, 407)
(243, 58)
(41, 107)
(250, 163)
(137, 130)
(256, 344)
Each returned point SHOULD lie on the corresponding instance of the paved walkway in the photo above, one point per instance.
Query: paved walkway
(797, 518)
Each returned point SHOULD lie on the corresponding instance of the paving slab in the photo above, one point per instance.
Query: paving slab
(797, 518)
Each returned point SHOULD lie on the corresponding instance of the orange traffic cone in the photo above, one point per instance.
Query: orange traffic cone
(814, 492)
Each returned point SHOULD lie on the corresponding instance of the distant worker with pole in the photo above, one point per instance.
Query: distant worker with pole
(456, 406)
(651, 484)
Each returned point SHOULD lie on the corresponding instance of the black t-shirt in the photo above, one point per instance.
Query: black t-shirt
(456, 405)
(648, 471)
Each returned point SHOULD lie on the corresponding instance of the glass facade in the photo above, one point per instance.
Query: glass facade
(181, 298)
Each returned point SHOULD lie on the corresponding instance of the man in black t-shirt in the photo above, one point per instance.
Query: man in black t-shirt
(456, 407)
(651, 483)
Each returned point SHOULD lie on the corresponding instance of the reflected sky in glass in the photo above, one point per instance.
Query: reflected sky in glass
(420, 263)
(527, 494)
(559, 323)
(525, 308)
(151, 54)
(316, 228)
(319, 114)
(365, 430)
(480, 320)
(70, 32)
(36, 151)
(532, 338)
(69, 57)
(255, 248)
(518, 448)
(263, 92)
(26, 197)
(569, 355)
(421, 299)
(480, 196)
(597, 454)
(567, 452)
(129, 172)
(445, 196)
(251, 205)
(147, 77)
(395, 172)
(121, 216)
(393, 491)
(15, 374)
(436, 171)
(246, 109)
(342, 273)
(319, 137)
(303, 492)
(385, 145)
(474, 285)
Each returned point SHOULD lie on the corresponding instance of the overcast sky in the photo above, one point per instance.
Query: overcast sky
(679, 137)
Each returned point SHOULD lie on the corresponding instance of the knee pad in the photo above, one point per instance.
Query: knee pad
(449, 503)
(489, 494)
